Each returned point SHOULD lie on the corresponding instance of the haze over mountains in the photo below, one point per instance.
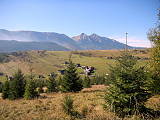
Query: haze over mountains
(13, 46)
(32, 40)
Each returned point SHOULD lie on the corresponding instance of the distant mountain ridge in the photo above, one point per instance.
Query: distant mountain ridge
(96, 42)
(80, 42)
(13, 46)
(57, 38)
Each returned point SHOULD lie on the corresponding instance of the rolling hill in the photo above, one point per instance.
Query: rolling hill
(45, 62)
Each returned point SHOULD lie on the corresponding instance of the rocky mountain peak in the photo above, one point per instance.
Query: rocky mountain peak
(83, 36)
(95, 36)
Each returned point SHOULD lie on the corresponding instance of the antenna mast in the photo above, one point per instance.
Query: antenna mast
(126, 47)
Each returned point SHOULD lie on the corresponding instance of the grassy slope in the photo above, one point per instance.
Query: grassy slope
(49, 108)
(51, 61)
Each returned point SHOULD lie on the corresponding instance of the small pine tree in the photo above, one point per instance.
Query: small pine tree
(98, 80)
(13, 90)
(16, 86)
(51, 84)
(71, 82)
(67, 105)
(59, 82)
(86, 82)
(127, 93)
(21, 82)
(5, 90)
(30, 89)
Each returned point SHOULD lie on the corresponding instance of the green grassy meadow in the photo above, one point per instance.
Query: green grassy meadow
(45, 62)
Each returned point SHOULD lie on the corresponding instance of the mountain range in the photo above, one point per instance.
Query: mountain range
(13, 46)
(32, 40)
(96, 42)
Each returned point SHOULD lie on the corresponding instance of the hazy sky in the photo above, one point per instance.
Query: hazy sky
(109, 18)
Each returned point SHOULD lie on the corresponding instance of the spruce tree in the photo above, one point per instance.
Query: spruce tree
(30, 89)
(67, 105)
(5, 90)
(13, 90)
(16, 86)
(86, 82)
(21, 82)
(71, 82)
(51, 83)
(154, 37)
(127, 92)
(59, 82)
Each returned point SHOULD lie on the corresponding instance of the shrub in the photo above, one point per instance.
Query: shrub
(16, 86)
(13, 90)
(39, 84)
(30, 89)
(5, 90)
(98, 80)
(84, 111)
(59, 82)
(51, 83)
(67, 105)
(86, 82)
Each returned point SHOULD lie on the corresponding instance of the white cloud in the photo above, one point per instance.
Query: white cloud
(133, 41)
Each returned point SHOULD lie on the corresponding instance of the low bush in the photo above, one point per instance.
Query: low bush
(67, 105)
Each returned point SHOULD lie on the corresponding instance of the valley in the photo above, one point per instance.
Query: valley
(45, 62)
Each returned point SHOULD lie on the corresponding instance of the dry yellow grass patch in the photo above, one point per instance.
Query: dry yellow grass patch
(49, 107)
(95, 88)
(154, 102)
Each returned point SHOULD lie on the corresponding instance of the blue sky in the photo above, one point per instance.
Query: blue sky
(109, 18)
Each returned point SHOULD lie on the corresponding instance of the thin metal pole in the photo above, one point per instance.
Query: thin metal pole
(158, 18)
(126, 48)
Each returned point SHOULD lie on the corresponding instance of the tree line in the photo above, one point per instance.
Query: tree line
(29, 87)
